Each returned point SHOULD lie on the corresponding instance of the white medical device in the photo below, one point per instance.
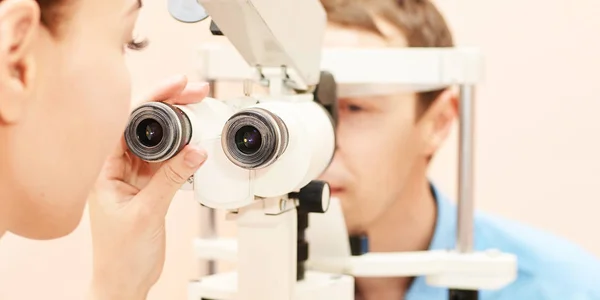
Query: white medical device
(269, 186)
(264, 152)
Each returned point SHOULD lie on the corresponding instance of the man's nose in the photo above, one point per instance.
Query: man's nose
(326, 174)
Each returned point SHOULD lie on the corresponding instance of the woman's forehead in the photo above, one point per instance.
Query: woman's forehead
(108, 7)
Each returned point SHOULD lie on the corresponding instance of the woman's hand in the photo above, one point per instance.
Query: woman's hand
(128, 208)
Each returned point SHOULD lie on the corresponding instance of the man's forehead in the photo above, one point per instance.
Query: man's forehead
(382, 101)
(344, 36)
(373, 90)
(339, 36)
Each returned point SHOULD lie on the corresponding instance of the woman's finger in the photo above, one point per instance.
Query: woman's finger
(194, 92)
(168, 89)
(170, 177)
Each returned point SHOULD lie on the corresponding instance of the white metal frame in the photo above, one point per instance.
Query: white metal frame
(414, 68)
(487, 270)
(266, 261)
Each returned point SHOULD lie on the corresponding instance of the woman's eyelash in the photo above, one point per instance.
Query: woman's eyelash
(137, 45)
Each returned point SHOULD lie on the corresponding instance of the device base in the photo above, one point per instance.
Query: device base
(463, 295)
(315, 286)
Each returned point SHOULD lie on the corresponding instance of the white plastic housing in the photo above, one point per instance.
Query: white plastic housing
(330, 253)
(381, 69)
(309, 151)
(315, 286)
(220, 184)
(271, 33)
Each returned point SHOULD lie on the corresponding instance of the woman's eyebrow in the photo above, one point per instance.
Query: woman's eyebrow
(136, 6)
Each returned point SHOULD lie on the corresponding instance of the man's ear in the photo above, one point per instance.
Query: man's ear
(19, 24)
(438, 119)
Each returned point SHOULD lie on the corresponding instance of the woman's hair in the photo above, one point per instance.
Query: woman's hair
(50, 12)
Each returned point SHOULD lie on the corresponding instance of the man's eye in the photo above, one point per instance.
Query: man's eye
(350, 108)
(137, 45)
(354, 108)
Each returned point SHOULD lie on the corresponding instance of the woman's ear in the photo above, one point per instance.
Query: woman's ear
(19, 24)
(438, 119)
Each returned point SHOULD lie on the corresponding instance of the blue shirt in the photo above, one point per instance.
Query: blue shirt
(549, 268)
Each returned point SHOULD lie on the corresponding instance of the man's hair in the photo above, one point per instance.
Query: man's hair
(418, 20)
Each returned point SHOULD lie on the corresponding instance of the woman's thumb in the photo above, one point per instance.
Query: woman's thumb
(171, 176)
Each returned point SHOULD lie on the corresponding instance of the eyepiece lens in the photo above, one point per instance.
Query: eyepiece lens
(149, 132)
(248, 139)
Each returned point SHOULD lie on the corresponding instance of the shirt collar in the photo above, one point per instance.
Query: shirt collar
(444, 236)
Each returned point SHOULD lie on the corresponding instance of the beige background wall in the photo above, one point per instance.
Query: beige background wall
(538, 136)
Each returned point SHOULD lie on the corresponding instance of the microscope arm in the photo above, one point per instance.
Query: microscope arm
(272, 34)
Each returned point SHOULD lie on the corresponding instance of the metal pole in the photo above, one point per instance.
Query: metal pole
(208, 222)
(211, 232)
(466, 203)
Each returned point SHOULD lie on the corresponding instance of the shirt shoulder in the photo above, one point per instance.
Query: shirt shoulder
(549, 267)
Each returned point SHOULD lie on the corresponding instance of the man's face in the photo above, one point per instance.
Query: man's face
(378, 144)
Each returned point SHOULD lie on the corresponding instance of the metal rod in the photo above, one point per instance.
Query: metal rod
(212, 85)
(466, 205)
(208, 222)
(212, 265)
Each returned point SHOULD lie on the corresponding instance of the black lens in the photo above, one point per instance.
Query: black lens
(248, 139)
(149, 132)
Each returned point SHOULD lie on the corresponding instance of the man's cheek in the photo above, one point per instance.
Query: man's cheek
(334, 170)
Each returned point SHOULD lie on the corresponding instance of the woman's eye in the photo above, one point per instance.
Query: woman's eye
(137, 45)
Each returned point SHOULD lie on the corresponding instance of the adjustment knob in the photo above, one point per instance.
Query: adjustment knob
(187, 11)
(326, 94)
(214, 29)
(314, 197)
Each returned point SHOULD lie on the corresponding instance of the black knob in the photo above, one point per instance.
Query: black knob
(214, 29)
(359, 244)
(314, 197)
(326, 94)
(463, 295)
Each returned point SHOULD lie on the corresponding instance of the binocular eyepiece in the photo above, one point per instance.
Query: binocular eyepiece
(264, 150)
(252, 138)
(157, 131)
